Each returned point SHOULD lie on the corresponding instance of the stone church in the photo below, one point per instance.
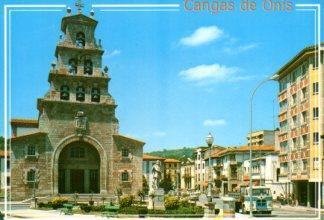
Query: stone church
(74, 146)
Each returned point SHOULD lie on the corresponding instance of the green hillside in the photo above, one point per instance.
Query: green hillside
(178, 154)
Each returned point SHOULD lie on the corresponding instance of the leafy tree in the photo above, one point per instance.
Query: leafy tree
(145, 186)
(1, 143)
(166, 184)
(141, 194)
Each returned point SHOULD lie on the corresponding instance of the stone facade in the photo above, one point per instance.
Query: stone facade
(76, 125)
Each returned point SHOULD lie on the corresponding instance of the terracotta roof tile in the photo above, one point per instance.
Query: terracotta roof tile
(24, 121)
(242, 149)
(152, 157)
(171, 160)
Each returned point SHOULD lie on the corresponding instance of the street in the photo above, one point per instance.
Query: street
(278, 213)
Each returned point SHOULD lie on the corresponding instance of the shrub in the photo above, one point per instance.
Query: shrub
(156, 212)
(85, 207)
(184, 203)
(126, 201)
(98, 208)
(57, 202)
(171, 203)
(134, 210)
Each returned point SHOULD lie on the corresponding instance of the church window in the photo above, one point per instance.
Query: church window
(65, 95)
(88, 67)
(73, 67)
(80, 40)
(125, 176)
(31, 175)
(125, 152)
(31, 150)
(77, 152)
(80, 94)
(95, 95)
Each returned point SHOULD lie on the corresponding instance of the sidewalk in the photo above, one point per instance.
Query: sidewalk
(50, 214)
(290, 207)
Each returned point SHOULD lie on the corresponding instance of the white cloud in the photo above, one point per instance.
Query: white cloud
(201, 36)
(215, 122)
(239, 49)
(213, 73)
(159, 134)
(113, 53)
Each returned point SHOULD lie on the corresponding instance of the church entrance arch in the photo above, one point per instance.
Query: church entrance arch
(79, 168)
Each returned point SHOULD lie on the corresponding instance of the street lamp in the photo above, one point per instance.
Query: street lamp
(209, 141)
(250, 136)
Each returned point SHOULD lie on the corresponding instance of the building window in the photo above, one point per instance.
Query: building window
(294, 99)
(73, 67)
(88, 67)
(304, 93)
(304, 165)
(65, 93)
(31, 150)
(147, 166)
(31, 175)
(315, 163)
(315, 113)
(305, 140)
(125, 176)
(77, 152)
(125, 152)
(304, 117)
(315, 138)
(95, 95)
(80, 94)
(315, 88)
(80, 40)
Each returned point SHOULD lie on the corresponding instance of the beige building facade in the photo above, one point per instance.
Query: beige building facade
(261, 138)
(301, 124)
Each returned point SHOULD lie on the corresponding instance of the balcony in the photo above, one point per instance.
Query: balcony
(294, 111)
(294, 133)
(304, 106)
(304, 129)
(293, 89)
(282, 96)
(283, 137)
(304, 82)
(282, 117)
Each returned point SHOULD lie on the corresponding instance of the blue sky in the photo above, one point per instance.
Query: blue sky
(175, 75)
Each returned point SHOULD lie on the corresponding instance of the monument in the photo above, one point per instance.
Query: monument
(156, 194)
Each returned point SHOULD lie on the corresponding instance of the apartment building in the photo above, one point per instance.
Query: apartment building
(265, 172)
(301, 123)
(172, 169)
(187, 173)
(261, 138)
(200, 178)
(228, 165)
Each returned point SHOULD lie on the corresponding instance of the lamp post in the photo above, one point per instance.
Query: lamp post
(209, 141)
(250, 136)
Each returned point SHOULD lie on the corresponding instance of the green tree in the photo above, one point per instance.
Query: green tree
(1, 143)
(166, 184)
(145, 186)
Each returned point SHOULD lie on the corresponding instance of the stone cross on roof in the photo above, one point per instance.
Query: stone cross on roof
(79, 4)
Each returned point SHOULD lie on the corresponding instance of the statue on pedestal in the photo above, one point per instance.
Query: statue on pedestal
(156, 194)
